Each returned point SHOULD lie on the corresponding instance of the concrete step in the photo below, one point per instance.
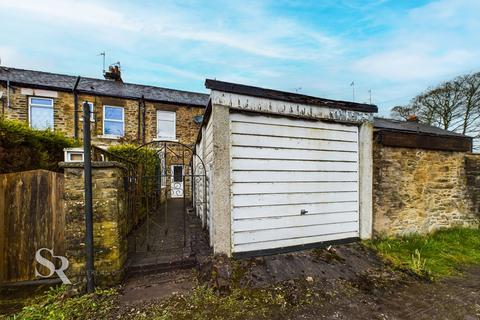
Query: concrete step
(155, 265)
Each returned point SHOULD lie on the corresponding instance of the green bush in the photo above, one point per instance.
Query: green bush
(23, 148)
(147, 160)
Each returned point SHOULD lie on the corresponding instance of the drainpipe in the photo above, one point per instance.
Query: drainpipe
(8, 94)
(75, 109)
(144, 110)
(139, 120)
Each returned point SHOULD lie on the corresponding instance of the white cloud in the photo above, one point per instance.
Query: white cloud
(432, 42)
(259, 33)
(412, 63)
(76, 13)
(12, 57)
(396, 53)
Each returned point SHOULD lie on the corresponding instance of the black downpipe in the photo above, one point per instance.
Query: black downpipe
(75, 109)
(88, 197)
(144, 120)
(139, 120)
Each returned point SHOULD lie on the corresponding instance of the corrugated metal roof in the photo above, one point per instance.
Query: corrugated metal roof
(102, 87)
(411, 126)
(287, 96)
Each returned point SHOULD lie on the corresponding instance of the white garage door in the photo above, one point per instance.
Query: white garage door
(295, 182)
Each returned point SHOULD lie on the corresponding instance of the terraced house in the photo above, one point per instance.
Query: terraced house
(120, 111)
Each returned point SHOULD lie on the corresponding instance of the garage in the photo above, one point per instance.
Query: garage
(287, 170)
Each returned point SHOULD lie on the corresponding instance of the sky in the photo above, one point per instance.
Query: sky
(395, 49)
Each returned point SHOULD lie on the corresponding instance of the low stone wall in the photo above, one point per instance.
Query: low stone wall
(418, 191)
(109, 222)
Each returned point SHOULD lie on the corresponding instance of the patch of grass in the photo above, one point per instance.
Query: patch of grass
(57, 305)
(442, 253)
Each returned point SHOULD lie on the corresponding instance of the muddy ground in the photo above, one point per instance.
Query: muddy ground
(348, 282)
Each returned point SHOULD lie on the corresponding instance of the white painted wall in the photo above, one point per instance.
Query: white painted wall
(280, 166)
(204, 150)
(208, 159)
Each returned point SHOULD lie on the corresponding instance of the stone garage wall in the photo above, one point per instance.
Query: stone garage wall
(418, 191)
(109, 222)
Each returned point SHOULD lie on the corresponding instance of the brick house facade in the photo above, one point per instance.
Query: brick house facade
(138, 113)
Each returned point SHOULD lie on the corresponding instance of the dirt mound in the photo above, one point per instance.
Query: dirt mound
(342, 262)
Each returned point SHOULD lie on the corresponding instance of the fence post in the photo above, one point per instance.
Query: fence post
(88, 197)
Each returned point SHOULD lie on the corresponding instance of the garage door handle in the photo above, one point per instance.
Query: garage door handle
(303, 211)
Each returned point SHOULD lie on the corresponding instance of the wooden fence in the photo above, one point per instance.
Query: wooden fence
(31, 217)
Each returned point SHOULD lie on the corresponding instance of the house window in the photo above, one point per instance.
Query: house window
(41, 113)
(165, 125)
(113, 121)
(73, 154)
(92, 112)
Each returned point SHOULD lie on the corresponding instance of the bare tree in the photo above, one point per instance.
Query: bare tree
(453, 105)
(403, 112)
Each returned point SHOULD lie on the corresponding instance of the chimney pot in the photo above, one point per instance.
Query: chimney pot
(412, 118)
(114, 73)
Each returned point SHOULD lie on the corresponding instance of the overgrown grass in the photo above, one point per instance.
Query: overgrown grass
(439, 254)
(241, 303)
(203, 303)
(57, 305)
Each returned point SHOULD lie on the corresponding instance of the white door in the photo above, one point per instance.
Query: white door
(177, 181)
(295, 182)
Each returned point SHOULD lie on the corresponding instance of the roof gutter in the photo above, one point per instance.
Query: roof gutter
(75, 109)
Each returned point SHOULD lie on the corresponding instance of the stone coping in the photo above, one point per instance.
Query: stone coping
(95, 164)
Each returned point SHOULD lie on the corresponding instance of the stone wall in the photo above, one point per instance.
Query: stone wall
(418, 191)
(186, 128)
(109, 222)
(472, 170)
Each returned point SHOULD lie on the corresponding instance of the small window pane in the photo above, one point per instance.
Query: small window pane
(41, 102)
(113, 128)
(114, 113)
(76, 157)
(41, 118)
(92, 112)
(165, 124)
(177, 174)
(166, 115)
(166, 129)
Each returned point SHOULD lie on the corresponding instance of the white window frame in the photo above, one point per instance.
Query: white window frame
(71, 151)
(40, 106)
(113, 120)
(174, 137)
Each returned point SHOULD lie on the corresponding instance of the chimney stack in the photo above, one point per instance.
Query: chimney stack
(412, 118)
(114, 72)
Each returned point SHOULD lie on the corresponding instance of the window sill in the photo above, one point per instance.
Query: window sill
(109, 137)
(167, 140)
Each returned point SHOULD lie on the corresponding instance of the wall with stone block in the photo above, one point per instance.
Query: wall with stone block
(472, 170)
(63, 106)
(419, 191)
(109, 222)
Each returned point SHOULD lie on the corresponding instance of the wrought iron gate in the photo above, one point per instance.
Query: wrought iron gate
(168, 177)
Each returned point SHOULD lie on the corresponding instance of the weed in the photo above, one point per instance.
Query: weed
(55, 304)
